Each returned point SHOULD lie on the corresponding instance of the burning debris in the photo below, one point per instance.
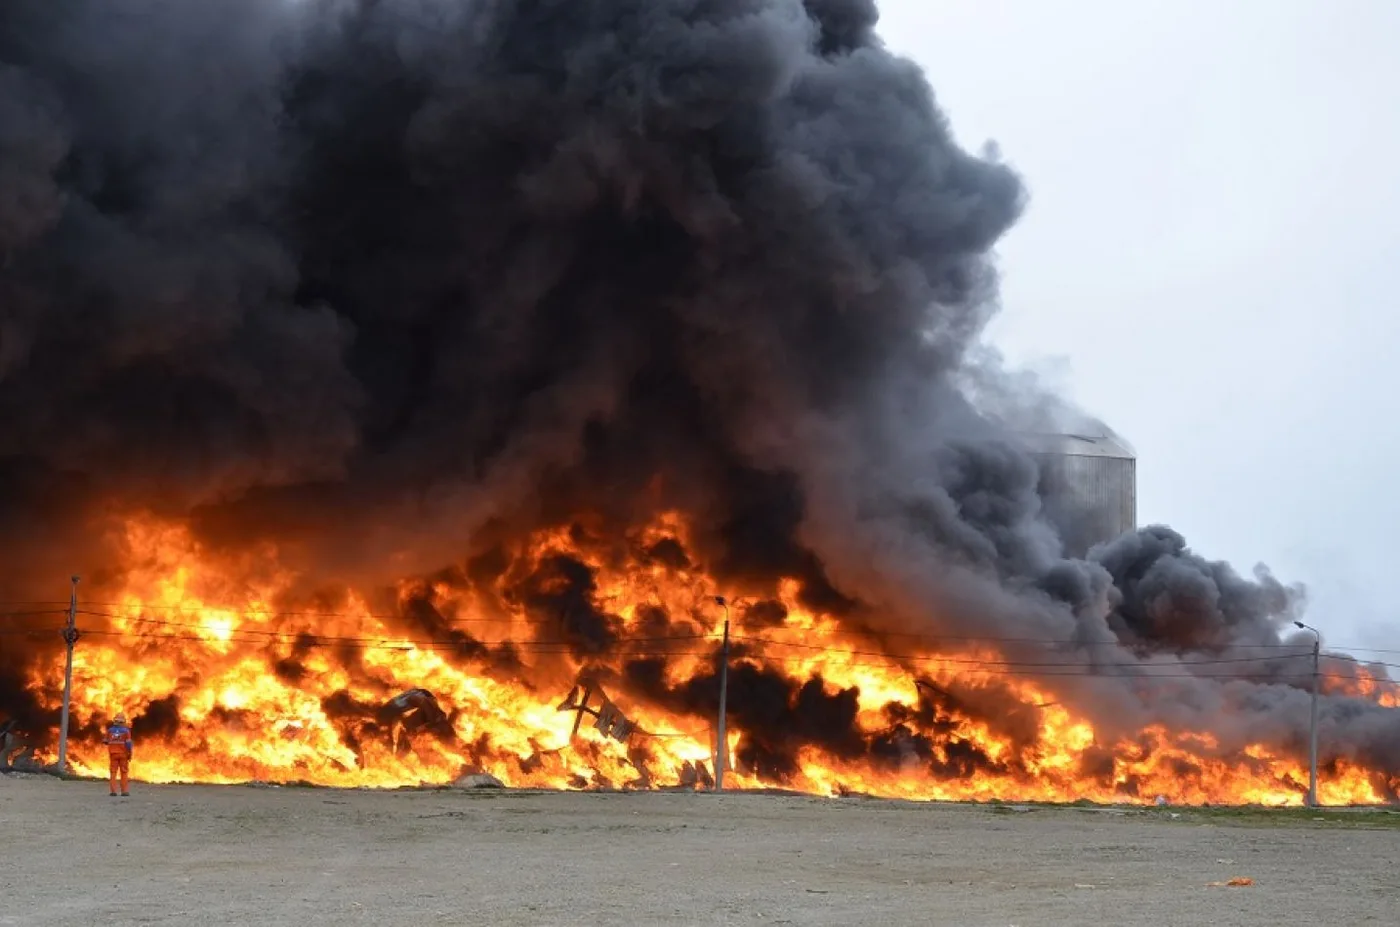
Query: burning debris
(413, 712)
(16, 753)
(608, 718)
(479, 356)
(611, 722)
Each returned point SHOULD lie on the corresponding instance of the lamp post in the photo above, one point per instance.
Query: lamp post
(1312, 725)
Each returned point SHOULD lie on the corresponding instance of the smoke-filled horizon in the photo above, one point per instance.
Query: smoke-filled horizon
(387, 284)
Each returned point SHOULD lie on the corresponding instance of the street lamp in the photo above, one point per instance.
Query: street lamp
(721, 744)
(1312, 725)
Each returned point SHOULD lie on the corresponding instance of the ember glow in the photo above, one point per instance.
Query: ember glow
(248, 690)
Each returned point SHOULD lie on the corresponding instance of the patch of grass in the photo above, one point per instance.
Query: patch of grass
(1247, 815)
(1048, 805)
(1287, 817)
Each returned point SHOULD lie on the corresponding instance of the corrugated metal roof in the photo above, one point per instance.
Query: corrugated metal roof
(1067, 445)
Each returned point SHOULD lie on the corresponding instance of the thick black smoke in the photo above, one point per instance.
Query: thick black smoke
(386, 282)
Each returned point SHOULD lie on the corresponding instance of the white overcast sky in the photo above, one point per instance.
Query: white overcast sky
(1210, 260)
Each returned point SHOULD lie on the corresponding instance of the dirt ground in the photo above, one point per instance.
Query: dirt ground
(292, 856)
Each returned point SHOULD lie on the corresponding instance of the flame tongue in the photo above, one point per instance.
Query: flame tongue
(564, 672)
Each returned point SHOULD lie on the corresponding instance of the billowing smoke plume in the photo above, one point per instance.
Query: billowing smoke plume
(387, 282)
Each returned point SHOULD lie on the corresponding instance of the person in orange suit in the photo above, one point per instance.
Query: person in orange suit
(119, 748)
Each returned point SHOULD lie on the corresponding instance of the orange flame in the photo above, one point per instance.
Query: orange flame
(225, 686)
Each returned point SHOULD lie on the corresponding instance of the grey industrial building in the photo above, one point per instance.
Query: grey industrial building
(1088, 485)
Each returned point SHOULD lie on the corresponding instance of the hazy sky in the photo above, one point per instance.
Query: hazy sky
(1210, 261)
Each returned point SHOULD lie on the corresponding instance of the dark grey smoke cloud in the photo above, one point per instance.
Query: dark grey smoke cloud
(392, 278)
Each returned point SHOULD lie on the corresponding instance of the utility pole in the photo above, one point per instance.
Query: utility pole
(721, 741)
(70, 637)
(1312, 725)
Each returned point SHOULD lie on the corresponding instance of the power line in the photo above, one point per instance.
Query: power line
(252, 611)
(245, 611)
(256, 611)
(214, 637)
(262, 635)
(299, 635)
(990, 668)
(923, 635)
(752, 638)
(1072, 642)
(1030, 668)
(994, 668)
(391, 641)
(399, 616)
(959, 660)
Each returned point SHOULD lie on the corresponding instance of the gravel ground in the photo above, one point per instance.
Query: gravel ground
(238, 855)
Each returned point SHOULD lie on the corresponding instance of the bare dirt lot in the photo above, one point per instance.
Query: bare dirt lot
(238, 855)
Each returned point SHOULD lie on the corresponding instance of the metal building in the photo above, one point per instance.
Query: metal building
(1088, 485)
